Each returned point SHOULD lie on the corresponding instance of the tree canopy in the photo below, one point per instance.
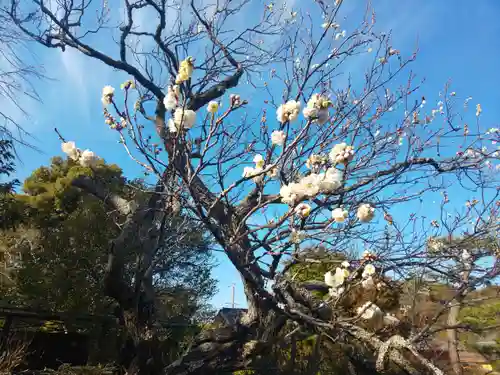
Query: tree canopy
(64, 237)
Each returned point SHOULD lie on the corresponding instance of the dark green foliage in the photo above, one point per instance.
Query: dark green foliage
(9, 213)
(64, 239)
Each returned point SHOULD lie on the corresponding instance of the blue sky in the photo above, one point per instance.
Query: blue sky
(456, 40)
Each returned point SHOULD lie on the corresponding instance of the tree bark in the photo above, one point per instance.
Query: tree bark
(453, 338)
(453, 320)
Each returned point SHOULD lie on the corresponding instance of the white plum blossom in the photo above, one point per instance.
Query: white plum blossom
(345, 264)
(309, 185)
(332, 25)
(185, 72)
(369, 270)
(340, 35)
(289, 193)
(288, 111)
(108, 91)
(171, 100)
(317, 108)
(335, 280)
(315, 161)
(339, 215)
(365, 213)
(212, 106)
(248, 172)
(278, 137)
(259, 161)
(69, 148)
(292, 193)
(341, 153)
(297, 236)
(88, 159)
(169, 103)
(171, 126)
(107, 94)
(330, 279)
(310, 112)
(330, 181)
(465, 255)
(367, 276)
(184, 118)
(369, 311)
(336, 292)
(303, 210)
(435, 245)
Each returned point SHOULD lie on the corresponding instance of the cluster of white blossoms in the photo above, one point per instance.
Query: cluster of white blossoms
(297, 236)
(331, 25)
(171, 100)
(107, 95)
(311, 185)
(316, 161)
(435, 245)
(466, 259)
(183, 119)
(85, 158)
(317, 109)
(367, 276)
(341, 153)
(336, 280)
(278, 137)
(365, 213)
(255, 172)
(288, 112)
(185, 72)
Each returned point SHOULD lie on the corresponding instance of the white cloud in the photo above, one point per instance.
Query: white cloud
(75, 75)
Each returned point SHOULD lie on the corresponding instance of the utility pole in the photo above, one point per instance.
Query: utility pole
(232, 294)
(233, 297)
